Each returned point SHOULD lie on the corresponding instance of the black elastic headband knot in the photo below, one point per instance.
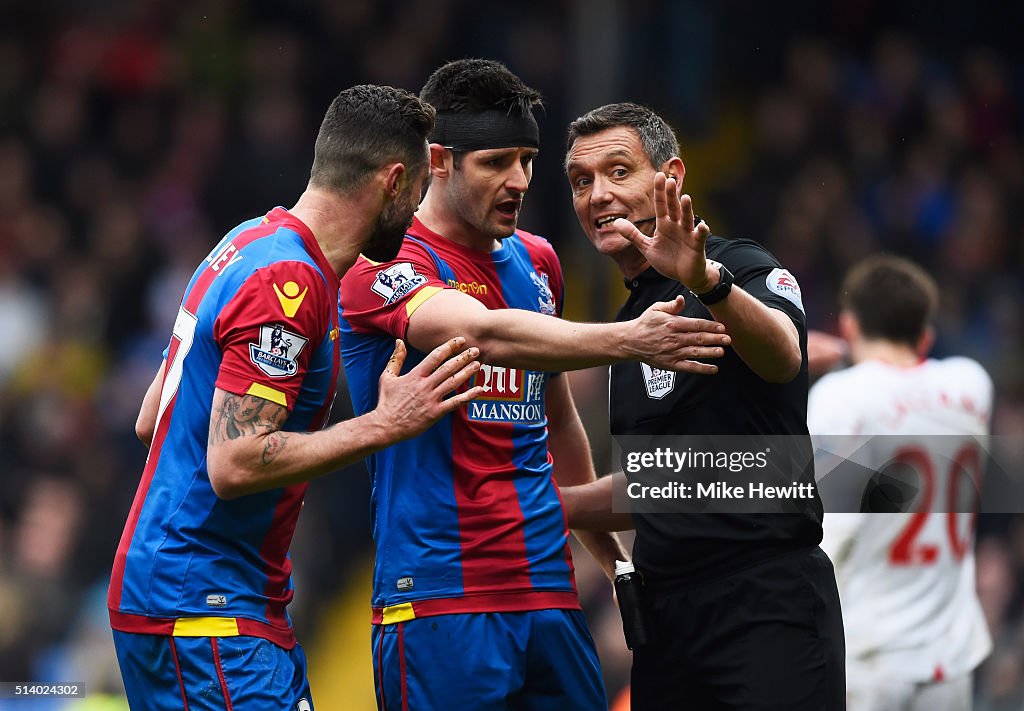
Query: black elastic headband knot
(493, 128)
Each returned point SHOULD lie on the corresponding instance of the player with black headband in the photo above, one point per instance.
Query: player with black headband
(474, 599)
(744, 607)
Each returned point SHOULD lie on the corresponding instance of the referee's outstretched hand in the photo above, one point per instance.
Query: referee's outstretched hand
(665, 340)
(411, 403)
(676, 249)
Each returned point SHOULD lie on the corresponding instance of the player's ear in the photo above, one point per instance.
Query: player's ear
(674, 168)
(925, 342)
(394, 177)
(440, 160)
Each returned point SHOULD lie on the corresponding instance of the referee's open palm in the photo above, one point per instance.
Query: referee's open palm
(676, 249)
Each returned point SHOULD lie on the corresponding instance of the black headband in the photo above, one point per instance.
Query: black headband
(486, 129)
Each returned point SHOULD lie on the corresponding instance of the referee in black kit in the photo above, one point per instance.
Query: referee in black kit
(743, 610)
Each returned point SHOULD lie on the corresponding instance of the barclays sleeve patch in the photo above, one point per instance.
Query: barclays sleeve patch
(396, 282)
(277, 351)
(785, 285)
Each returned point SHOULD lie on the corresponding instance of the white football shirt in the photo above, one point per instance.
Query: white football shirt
(907, 580)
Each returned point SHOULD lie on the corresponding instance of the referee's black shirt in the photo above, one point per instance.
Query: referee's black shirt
(687, 547)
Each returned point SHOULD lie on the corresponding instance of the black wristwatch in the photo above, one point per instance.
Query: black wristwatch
(720, 290)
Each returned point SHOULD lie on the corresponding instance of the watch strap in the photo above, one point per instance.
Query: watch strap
(720, 290)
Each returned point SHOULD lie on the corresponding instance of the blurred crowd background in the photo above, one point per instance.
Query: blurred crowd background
(134, 134)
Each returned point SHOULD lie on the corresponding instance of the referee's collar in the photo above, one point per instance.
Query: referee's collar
(648, 276)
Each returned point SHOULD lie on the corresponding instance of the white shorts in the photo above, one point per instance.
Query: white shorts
(947, 695)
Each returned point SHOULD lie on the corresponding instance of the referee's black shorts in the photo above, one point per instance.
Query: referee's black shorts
(767, 637)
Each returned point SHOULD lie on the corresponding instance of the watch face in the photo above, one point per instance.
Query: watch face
(726, 275)
(721, 290)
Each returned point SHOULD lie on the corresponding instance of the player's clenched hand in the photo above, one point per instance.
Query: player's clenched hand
(676, 249)
(409, 404)
(665, 340)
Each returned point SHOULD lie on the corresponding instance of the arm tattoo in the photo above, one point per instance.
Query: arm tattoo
(275, 445)
(236, 416)
(241, 415)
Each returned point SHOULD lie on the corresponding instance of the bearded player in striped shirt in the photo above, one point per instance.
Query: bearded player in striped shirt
(202, 578)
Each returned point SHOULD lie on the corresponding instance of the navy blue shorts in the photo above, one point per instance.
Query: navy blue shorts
(163, 673)
(528, 661)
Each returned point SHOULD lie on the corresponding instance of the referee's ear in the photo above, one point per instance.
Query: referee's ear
(674, 168)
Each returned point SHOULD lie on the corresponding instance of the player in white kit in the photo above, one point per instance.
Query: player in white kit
(914, 627)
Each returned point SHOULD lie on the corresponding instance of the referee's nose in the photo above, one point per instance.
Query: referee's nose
(600, 191)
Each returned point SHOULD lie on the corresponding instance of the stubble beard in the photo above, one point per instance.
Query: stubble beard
(389, 233)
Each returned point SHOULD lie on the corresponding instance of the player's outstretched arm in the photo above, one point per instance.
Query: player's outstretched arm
(588, 507)
(765, 338)
(518, 338)
(249, 452)
(570, 452)
(145, 424)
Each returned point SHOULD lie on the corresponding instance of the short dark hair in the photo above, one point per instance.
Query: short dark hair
(475, 85)
(656, 136)
(466, 86)
(892, 298)
(366, 127)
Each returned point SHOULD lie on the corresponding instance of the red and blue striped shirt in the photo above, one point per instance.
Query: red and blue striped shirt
(259, 317)
(467, 516)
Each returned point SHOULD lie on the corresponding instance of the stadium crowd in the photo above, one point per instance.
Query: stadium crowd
(132, 135)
